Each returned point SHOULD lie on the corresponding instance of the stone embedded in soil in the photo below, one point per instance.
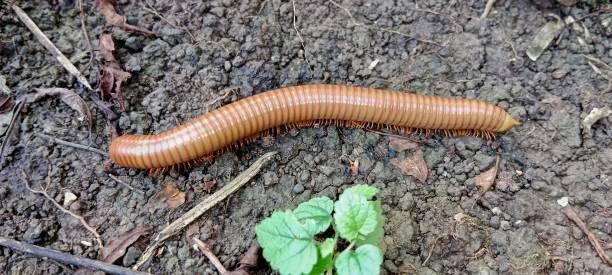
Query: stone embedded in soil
(34, 234)
(287, 181)
(472, 143)
(484, 161)
(505, 225)
(495, 222)
(131, 256)
(155, 102)
(298, 188)
(434, 157)
(172, 263)
(327, 170)
(270, 178)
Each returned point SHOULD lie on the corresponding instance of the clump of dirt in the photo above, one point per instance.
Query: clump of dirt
(203, 48)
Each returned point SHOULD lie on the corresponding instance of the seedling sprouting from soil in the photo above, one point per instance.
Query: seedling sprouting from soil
(300, 241)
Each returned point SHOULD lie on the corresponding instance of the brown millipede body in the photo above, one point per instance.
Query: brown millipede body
(302, 106)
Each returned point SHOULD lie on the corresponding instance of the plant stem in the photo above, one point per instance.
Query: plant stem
(350, 246)
(330, 270)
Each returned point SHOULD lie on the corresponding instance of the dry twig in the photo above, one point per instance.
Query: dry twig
(248, 262)
(44, 40)
(187, 218)
(230, 91)
(66, 258)
(115, 178)
(431, 249)
(298, 31)
(7, 136)
(107, 8)
(487, 9)
(148, 7)
(44, 193)
(573, 216)
(85, 33)
(71, 144)
(210, 255)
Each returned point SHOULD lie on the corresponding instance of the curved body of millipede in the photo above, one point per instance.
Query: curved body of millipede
(305, 105)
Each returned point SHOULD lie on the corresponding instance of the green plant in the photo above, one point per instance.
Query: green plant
(292, 242)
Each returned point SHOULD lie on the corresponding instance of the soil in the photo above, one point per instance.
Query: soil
(515, 228)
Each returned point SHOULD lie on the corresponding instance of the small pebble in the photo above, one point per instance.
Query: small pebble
(298, 188)
(505, 225)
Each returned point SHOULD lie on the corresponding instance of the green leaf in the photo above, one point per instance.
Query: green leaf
(326, 256)
(375, 236)
(317, 210)
(287, 244)
(355, 216)
(327, 247)
(366, 260)
(367, 191)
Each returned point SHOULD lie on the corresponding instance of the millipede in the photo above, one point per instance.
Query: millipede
(300, 106)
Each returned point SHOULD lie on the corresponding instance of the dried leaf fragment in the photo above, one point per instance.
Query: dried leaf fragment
(3, 88)
(175, 196)
(355, 167)
(543, 38)
(486, 179)
(595, 115)
(111, 76)
(107, 9)
(415, 166)
(107, 47)
(6, 103)
(209, 186)
(111, 81)
(170, 196)
(401, 144)
(192, 230)
(248, 262)
(67, 96)
(116, 247)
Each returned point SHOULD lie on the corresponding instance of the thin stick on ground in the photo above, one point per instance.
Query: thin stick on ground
(148, 7)
(298, 32)
(85, 33)
(573, 216)
(113, 177)
(431, 249)
(15, 114)
(210, 255)
(187, 218)
(43, 252)
(44, 193)
(248, 262)
(488, 8)
(388, 30)
(44, 40)
(229, 92)
(71, 144)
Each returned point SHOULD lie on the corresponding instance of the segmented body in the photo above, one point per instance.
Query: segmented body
(302, 105)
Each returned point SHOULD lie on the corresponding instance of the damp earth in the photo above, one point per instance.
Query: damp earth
(205, 48)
